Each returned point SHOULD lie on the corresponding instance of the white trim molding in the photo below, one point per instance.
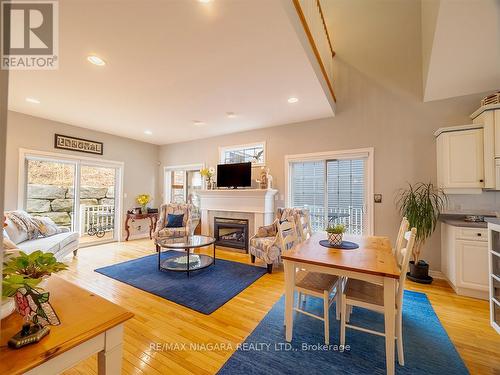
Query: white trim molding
(223, 149)
(77, 161)
(368, 153)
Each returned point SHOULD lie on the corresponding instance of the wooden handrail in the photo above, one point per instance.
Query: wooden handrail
(312, 42)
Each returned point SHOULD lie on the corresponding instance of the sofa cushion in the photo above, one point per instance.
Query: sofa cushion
(52, 244)
(15, 234)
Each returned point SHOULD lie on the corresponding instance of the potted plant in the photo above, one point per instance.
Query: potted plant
(335, 234)
(143, 200)
(421, 204)
(27, 273)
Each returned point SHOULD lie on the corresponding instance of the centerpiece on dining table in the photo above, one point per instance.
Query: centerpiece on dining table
(335, 235)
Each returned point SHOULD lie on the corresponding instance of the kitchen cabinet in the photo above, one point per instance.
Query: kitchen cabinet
(464, 260)
(460, 159)
(490, 120)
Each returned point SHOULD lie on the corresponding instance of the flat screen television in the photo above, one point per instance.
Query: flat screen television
(234, 175)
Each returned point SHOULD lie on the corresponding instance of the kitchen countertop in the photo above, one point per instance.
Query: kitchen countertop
(492, 220)
(457, 220)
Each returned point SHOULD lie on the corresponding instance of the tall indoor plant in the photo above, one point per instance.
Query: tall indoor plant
(421, 204)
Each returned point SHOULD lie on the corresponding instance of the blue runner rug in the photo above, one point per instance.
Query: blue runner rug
(427, 347)
(204, 291)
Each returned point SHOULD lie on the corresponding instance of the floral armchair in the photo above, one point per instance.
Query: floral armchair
(266, 245)
(162, 231)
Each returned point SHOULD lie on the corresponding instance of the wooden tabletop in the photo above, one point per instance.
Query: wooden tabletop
(83, 316)
(374, 255)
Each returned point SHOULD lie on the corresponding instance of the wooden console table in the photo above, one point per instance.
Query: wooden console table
(153, 218)
(89, 324)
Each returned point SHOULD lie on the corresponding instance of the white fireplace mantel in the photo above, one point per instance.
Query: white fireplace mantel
(258, 202)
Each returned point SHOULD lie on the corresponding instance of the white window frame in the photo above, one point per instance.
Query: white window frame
(224, 149)
(78, 161)
(367, 153)
(167, 178)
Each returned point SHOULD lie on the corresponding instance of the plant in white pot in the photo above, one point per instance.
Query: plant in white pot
(335, 234)
(421, 204)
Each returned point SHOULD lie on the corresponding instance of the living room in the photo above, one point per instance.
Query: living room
(189, 198)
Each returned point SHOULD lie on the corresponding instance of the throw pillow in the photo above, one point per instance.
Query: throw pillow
(175, 221)
(49, 227)
(15, 234)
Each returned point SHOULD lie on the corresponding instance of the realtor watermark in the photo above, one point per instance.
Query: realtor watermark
(246, 347)
(29, 34)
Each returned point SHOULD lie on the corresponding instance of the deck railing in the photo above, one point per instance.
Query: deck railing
(351, 217)
(98, 216)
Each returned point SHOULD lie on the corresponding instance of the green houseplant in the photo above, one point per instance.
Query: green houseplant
(421, 204)
(335, 234)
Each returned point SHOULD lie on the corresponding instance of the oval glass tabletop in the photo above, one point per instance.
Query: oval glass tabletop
(180, 263)
(188, 242)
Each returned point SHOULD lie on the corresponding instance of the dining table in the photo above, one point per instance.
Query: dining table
(372, 261)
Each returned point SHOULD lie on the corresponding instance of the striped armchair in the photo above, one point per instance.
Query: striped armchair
(266, 244)
(162, 231)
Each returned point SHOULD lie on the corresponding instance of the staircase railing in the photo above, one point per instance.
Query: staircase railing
(314, 24)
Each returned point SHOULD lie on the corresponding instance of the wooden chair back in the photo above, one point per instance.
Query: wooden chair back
(305, 225)
(404, 254)
(287, 231)
(403, 228)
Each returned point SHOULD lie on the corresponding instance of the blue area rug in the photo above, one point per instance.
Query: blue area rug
(428, 349)
(204, 291)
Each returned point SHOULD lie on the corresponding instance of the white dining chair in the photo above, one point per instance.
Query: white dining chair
(304, 224)
(313, 284)
(371, 296)
(403, 228)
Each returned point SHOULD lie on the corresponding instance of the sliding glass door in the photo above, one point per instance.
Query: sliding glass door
(76, 194)
(334, 190)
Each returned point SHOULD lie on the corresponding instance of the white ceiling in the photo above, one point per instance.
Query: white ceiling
(461, 49)
(170, 63)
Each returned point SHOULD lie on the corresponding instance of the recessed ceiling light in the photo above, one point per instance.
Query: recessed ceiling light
(148, 132)
(230, 114)
(96, 60)
(33, 100)
(199, 123)
(205, 1)
(293, 100)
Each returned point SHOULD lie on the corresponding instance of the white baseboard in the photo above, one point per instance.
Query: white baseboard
(437, 275)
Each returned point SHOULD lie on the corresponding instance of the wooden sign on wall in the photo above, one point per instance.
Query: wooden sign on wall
(65, 142)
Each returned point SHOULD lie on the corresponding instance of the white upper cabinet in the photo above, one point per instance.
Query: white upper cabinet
(460, 159)
(487, 120)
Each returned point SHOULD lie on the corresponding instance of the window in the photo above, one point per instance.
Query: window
(334, 190)
(181, 182)
(255, 153)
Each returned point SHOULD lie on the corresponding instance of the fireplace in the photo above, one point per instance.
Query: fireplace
(231, 232)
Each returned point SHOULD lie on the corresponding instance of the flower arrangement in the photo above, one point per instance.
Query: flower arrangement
(335, 234)
(143, 200)
(208, 173)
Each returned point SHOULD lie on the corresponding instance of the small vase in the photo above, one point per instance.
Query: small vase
(209, 184)
(144, 210)
(335, 239)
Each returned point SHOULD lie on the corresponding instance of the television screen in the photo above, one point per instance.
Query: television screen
(234, 175)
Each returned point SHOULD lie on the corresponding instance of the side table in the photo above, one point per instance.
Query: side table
(153, 219)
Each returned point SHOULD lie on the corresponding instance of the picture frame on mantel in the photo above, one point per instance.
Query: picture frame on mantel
(66, 142)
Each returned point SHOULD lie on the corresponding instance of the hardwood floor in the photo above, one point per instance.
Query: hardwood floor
(159, 322)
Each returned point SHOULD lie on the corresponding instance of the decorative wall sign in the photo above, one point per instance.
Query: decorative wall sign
(65, 142)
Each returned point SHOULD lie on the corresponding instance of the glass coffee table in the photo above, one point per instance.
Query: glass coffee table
(186, 261)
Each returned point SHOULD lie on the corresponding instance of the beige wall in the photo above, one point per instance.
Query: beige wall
(141, 159)
(379, 90)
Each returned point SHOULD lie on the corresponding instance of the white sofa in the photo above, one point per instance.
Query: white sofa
(61, 242)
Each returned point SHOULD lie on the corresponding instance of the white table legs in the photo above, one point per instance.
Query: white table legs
(390, 321)
(289, 298)
(109, 361)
